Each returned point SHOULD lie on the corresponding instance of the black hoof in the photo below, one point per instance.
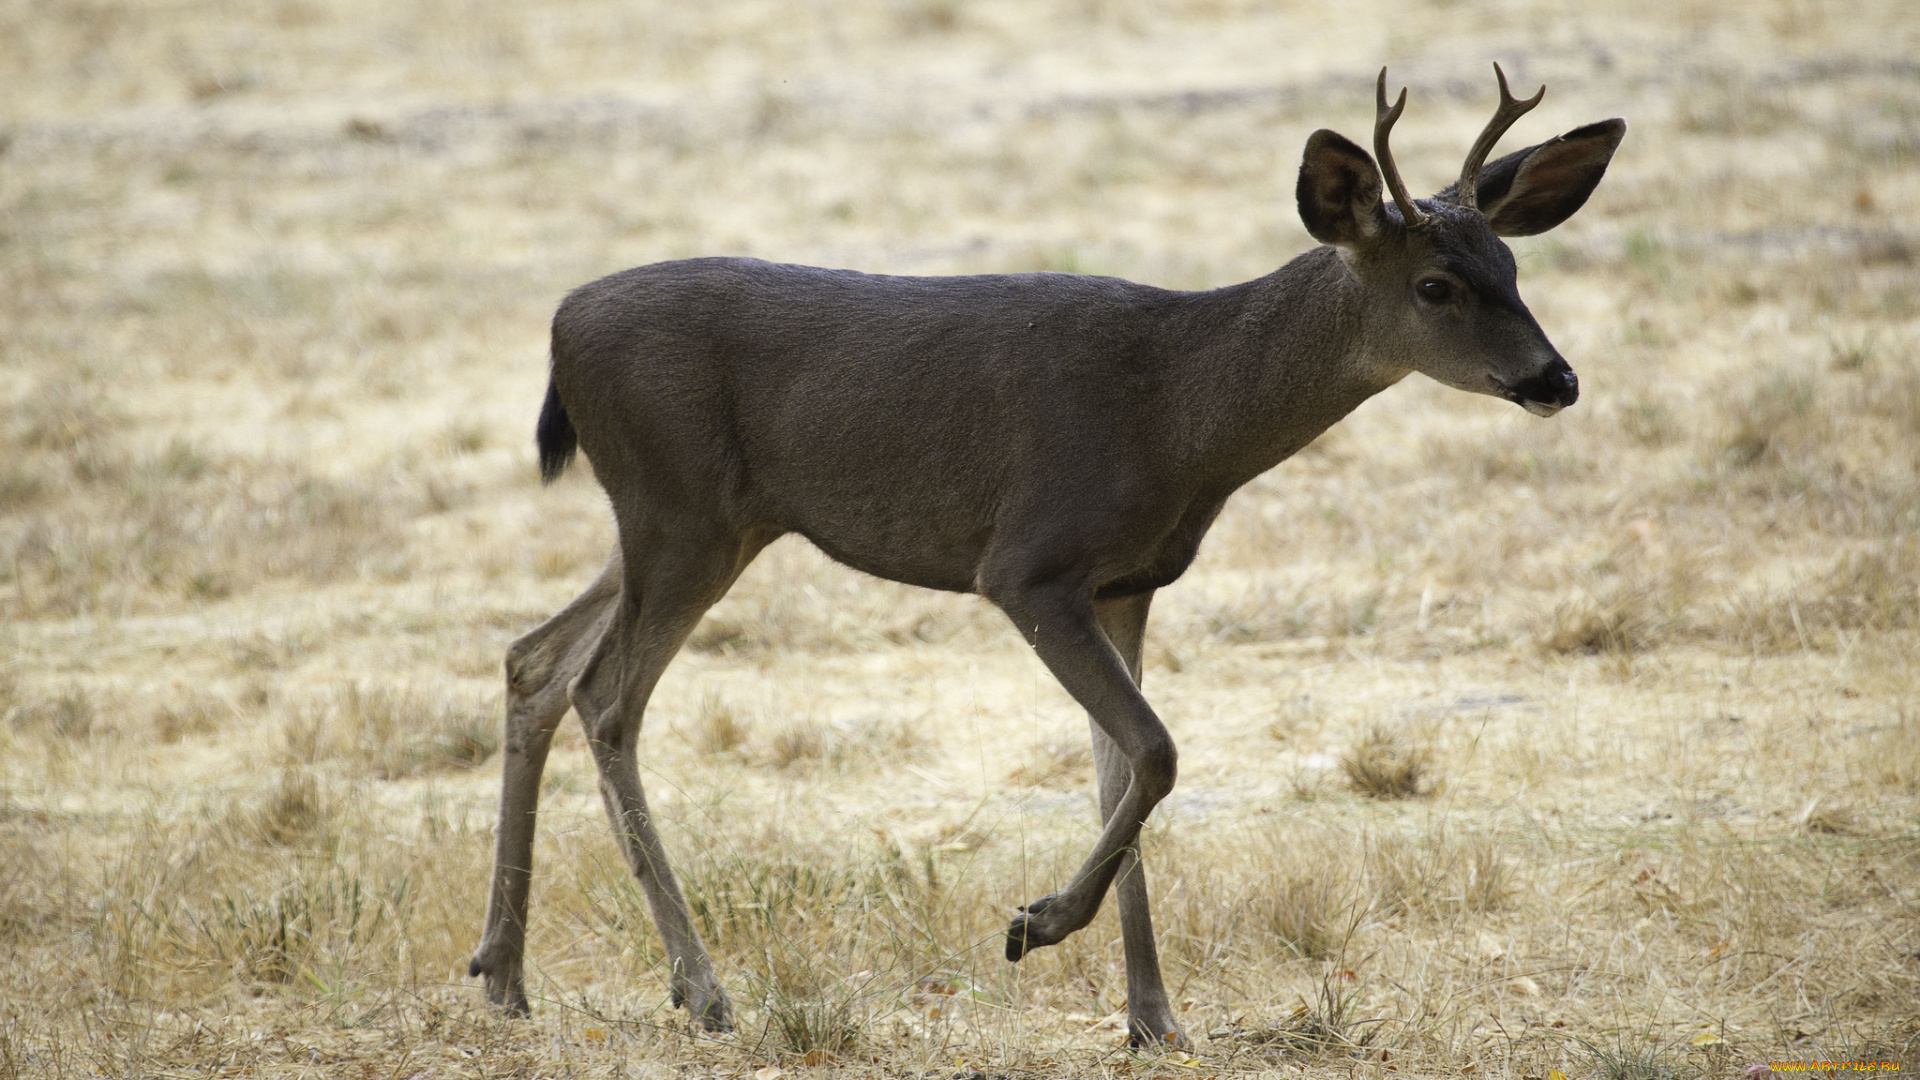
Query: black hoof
(713, 1013)
(718, 1018)
(1017, 945)
(508, 995)
(1139, 1038)
(1022, 936)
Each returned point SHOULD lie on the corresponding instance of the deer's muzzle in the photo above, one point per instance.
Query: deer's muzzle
(1554, 388)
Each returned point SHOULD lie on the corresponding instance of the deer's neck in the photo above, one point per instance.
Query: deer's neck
(1279, 360)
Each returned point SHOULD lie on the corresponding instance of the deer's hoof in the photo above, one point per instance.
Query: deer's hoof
(505, 990)
(711, 1009)
(1025, 935)
(1144, 1034)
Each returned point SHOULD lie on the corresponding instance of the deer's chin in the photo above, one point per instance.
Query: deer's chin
(1539, 408)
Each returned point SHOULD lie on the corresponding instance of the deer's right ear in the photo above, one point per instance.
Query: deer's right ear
(1339, 191)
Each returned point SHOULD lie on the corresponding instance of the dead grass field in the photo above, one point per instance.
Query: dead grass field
(1509, 745)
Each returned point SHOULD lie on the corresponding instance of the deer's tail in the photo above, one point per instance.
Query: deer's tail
(555, 436)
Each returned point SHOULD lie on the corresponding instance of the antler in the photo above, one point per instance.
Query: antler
(1383, 120)
(1511, 109)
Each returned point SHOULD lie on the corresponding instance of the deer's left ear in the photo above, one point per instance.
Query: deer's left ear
(1530, 191)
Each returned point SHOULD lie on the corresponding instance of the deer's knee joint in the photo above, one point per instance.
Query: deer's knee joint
(1156, 768)
(529, 664)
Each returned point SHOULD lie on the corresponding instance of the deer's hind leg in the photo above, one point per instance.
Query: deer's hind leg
(540, 667)
(661, 600)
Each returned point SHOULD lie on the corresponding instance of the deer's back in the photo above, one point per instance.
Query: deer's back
(896, 421)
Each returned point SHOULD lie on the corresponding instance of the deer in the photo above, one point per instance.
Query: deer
(1057, 444)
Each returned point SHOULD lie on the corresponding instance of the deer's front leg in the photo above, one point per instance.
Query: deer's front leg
(1150, 1019)
(1058, 620)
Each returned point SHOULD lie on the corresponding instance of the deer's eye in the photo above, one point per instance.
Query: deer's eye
(1435, 290)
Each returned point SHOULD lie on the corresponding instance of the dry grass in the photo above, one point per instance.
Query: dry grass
(393, 733)
(1386, 764)
(716, 728)
(1309, 913)
(1508, 746)
(1067, 761)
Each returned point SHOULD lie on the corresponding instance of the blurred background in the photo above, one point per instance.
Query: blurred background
(1508, 744)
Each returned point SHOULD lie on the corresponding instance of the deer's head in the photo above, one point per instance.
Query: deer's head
(1442, 296)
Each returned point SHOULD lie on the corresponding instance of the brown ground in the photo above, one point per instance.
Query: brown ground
(1509, 745)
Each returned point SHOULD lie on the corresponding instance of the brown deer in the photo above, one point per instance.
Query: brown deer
(1057, 444)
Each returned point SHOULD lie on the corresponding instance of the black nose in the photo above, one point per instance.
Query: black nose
(1569, 384)
(1556, 384)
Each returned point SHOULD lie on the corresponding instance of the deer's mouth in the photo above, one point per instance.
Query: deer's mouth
(1544, 394)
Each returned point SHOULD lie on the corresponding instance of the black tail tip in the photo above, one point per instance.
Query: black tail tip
(555, 437)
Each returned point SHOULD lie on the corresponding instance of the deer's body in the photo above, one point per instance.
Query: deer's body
(910, 427)
(1055, 443)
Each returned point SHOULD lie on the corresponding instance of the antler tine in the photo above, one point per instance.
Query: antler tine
(1510, 109)
(1383, 121)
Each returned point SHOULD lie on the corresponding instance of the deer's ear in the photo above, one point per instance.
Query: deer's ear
(1339, 191)
(1532, 190)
